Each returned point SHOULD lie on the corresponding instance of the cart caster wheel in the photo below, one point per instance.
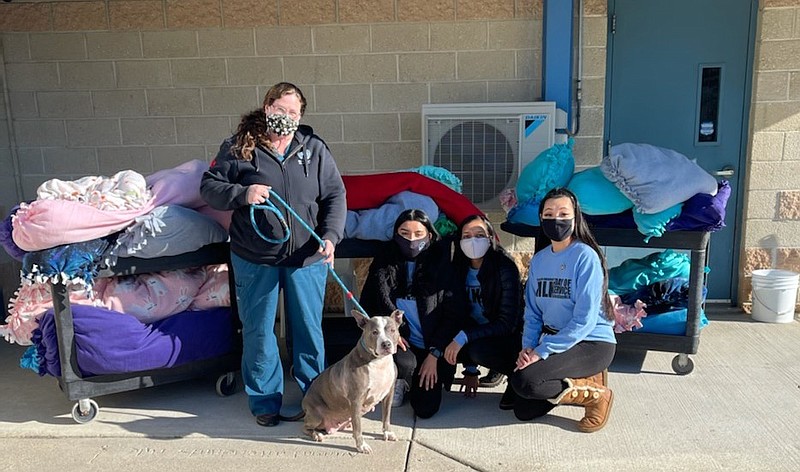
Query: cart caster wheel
(226, 385)
(682, 364)
(85, 414)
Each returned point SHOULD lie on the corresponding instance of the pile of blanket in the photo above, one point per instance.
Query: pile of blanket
(651, 294)
(73, 229)
(636, 186)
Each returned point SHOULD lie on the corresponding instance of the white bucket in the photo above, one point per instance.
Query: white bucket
(774, 295)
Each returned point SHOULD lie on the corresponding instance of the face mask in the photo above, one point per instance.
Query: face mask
(557, 229)
(475, 248)
(411, 249)
(281, 124)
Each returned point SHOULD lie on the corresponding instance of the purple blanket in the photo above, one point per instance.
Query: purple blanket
(109, 342)
(6, 240)
(702, 212)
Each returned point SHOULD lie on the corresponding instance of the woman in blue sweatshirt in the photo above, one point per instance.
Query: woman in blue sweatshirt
(568, 337)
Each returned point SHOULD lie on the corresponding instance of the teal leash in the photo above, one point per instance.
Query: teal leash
(269, 206)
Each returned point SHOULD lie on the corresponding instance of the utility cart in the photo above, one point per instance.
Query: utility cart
(83, 389)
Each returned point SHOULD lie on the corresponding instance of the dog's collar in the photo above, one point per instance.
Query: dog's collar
(363, 345)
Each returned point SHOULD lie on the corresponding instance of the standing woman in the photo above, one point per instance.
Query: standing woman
(414, 274)
(568, 338)
(272, 152)
(490, 330)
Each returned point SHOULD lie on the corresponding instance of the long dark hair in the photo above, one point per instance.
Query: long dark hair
(583, 234)
(419, 216)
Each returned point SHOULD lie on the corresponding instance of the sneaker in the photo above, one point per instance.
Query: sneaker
(492, 379)
(400, 389)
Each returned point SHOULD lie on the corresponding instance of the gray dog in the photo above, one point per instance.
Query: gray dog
(347, 390)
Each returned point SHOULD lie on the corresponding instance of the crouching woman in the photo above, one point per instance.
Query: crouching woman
(568, 338)
(414, 274)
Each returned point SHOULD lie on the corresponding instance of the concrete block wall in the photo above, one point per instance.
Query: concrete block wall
(772, 203)
(589, 142)
(94, 87)
(9, 268)
(99, 86)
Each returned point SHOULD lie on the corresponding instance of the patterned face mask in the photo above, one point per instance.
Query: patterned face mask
(281, 124)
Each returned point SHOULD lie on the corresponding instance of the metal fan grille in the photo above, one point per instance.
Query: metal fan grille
(479, 154)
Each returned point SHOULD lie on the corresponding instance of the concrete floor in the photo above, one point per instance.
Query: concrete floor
(738, 410)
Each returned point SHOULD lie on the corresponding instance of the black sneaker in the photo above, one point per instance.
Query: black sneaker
(269, 419)
(508, 399)
(492, 379)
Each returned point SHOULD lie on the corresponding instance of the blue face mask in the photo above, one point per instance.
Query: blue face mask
(411, 249)
(557, 229)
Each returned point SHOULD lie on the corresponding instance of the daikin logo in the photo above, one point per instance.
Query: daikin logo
(532, 122)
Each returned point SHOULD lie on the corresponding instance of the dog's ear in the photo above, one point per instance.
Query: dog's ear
(397, 316)
(361, 318)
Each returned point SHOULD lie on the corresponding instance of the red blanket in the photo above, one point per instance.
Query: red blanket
(372, 190)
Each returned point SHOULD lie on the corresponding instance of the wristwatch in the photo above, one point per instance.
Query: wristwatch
(435, 352)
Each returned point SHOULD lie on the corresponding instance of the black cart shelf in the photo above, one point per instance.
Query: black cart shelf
(82, 389)
(694, 241)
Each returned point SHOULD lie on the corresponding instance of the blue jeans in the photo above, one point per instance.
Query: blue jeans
(257, 288)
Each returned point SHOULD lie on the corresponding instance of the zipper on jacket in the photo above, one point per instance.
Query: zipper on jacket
(289, 219)
(304, 156)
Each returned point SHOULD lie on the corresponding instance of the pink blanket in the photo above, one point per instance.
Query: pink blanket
(181, 186)
(627, 317)
(152, 297)
(43, 224)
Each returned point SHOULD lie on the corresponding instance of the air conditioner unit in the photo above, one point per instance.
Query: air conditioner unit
(486, 144)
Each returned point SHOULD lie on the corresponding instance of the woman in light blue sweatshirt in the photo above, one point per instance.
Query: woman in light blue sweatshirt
(568, 334)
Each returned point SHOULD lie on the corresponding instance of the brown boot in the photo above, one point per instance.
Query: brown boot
(600, 378)
(594, 397)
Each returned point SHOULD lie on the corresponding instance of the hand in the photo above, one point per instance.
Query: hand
(327, 249)
(526, 357)
(427, 373)
(470, 385)
(257, 193)
(451, 352)
(402, 344)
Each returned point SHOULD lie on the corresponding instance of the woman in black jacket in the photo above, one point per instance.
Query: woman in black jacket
(272, 153)
(490, 333)
(414, 274)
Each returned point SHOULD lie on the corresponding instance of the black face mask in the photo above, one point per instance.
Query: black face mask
(411, 249)
(557, 229)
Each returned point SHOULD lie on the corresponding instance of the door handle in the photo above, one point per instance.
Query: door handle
(726, 171)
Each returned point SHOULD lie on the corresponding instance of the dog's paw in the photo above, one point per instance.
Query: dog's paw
(389, 436)
(317, 436)
(364, 448)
